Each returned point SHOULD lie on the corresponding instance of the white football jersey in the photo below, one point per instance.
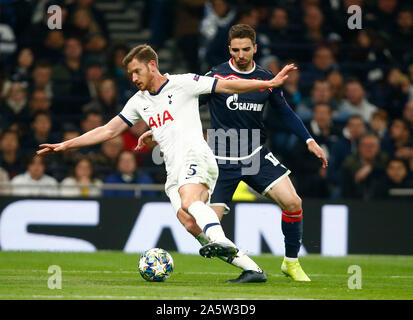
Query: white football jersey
(172, 114)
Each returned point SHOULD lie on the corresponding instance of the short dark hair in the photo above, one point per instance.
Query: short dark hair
(402, 161)
(370, 134)
(353, 80)
(9, 131)
(143, 53)
(42, 113)
(32, 156)
(126, 151)
(355, 116)
(324, 105)
(92, 111)
(406, 9)
(320, 80)
(242, 31)
(42, 63)
(381, 114)
(322, 47)
(404, 122)
(73, 37)
(77, 161)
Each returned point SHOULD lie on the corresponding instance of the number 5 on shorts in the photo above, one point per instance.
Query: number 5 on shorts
(192, 171)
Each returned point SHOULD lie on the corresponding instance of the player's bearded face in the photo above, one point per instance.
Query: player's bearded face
(141, 74)
(242, 51)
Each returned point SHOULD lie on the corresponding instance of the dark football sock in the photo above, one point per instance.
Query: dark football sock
(292, 228)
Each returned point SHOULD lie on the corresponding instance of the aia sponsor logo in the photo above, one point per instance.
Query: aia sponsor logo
(159, 120)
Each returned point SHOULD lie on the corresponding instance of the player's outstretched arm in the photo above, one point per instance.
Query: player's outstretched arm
(98, 135)
(244, 85)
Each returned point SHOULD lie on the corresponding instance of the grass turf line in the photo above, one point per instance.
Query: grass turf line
(114, 275)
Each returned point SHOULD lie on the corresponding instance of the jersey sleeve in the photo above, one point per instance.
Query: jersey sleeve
(197, 85)
(130, 113)
(287, 115)
(204, 98)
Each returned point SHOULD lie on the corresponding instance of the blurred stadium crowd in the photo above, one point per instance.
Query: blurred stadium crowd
(353, 89)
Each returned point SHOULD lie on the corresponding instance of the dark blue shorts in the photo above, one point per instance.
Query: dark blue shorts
(261, 178)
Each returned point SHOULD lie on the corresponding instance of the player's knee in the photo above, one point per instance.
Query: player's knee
(186, 203)
(187, 199)
(294, 204)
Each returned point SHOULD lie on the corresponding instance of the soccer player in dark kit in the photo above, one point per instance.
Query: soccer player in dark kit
(237, 139)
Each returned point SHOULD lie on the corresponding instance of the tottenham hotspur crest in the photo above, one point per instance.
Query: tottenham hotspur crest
(170, 98)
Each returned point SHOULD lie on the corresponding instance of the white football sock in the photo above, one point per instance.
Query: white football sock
(244, 262)
(241, 261)
(208, 221)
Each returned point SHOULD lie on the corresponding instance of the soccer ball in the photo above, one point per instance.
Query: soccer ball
(156, 265)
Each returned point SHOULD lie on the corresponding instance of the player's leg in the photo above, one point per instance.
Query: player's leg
(286, 196)
(191, 226)
(193, 200)
(196, 181)
(272, 181)
(251, 271)
(223, 190)
(225, 187)
(185, 218)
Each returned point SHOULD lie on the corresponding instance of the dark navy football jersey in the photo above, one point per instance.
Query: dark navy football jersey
(237, 127)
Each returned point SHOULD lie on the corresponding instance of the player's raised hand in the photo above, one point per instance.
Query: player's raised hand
(51, 148)
(281, 76)
(318, 152)
(143, 140)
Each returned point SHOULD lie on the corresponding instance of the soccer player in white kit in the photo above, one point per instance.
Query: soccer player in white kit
(169, 106)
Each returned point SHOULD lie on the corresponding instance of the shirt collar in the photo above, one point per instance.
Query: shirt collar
(231, 64)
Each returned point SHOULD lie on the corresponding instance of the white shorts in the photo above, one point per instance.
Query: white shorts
(196, 167)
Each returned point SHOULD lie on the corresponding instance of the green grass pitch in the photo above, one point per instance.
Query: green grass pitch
(113, 275)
